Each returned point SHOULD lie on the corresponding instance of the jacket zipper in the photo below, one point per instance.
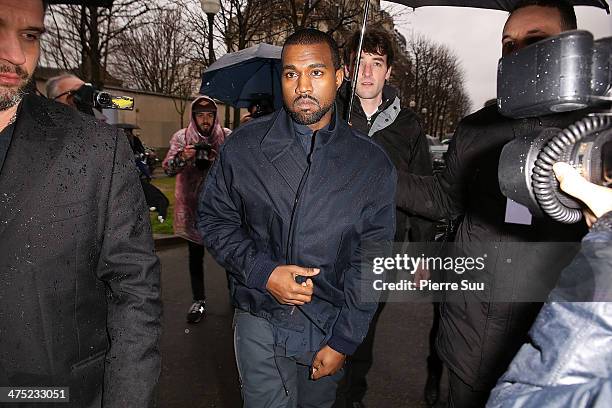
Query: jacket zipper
(290, 249)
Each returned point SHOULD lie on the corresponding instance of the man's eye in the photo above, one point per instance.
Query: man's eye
(317, 73)
(31, 36)
(291, 75)
(508, 47)
(533, 40)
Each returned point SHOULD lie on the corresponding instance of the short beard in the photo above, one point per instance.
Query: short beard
(309, 118)
(203, 132)
(12, 98)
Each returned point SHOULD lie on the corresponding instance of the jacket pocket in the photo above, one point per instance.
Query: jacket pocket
(89, 361)
(67, 211)
(87, 380)
(275, 236)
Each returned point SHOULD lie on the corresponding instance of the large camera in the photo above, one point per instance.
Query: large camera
(87, 97)
(204, 155)
(564, 73)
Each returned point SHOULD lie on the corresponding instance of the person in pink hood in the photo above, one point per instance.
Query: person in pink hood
(192, 151)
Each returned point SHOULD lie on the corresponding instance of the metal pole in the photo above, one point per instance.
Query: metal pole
(211, 50)
(357, 61)
(272, 75)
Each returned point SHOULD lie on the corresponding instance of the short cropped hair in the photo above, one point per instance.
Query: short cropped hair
(51, 84)
(375, 41)
(310, 36)
(568, 15)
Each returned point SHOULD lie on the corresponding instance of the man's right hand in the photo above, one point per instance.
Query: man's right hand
(188, 153)
(597, 198)
(282, 285)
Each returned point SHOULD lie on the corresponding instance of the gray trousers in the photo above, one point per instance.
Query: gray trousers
(275, 381)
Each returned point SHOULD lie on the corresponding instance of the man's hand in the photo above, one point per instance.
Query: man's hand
(188, 153)
(282, 285)
(597, 198)
(327, 362)
(421, 274)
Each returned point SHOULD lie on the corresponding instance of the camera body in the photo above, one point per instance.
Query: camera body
(563, 73)
(88, 97)
(203, 152)
(559, 74)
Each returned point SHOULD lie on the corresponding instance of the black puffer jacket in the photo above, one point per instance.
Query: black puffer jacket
(477, 340)
(398, 131)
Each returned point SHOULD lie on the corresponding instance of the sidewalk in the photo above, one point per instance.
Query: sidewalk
(165, 241)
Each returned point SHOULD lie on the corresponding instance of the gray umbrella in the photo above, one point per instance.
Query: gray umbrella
(507, 5)
(240, 77)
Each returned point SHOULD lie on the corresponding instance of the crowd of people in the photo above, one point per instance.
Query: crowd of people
(287, 204)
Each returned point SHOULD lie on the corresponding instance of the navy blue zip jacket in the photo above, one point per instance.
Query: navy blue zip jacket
(265, 203)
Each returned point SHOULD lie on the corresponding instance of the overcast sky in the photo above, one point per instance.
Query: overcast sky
(475, 37)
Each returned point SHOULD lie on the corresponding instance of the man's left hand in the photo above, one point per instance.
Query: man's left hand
(327, 362)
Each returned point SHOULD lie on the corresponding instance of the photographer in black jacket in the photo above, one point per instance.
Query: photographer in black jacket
(478, 339)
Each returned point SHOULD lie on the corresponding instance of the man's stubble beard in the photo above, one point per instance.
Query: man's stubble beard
(204, 132)
(10, 97)
(309, 118)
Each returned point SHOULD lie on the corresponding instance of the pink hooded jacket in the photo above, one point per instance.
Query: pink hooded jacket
(189, 179)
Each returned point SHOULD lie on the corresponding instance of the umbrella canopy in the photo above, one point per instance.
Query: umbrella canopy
(491, 4)
(99, 3)
(237, 78)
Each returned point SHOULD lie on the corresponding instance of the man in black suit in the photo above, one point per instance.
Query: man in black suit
(79, 280)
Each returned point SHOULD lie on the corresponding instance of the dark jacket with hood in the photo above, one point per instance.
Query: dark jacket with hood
(478, 339)
(398, 131)
(265, 203)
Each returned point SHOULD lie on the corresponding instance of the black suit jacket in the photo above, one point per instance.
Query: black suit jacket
(79, 280)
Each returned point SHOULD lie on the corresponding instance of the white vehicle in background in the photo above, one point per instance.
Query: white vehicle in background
(437, 150)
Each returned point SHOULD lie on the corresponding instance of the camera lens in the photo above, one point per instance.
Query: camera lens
(104, 99)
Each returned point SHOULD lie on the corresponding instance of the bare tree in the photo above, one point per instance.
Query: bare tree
(431, 81)
(82, 37)
(158, 58)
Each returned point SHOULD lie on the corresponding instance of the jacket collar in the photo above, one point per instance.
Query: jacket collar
(282, 149)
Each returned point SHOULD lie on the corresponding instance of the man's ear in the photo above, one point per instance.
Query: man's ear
(388, 74)
(339, 77)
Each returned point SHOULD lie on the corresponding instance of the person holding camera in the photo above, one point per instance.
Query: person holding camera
(479, 336)
(192, 150)
(567, 361)
(61, 88)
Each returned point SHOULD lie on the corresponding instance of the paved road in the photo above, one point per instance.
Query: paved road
(198, 367)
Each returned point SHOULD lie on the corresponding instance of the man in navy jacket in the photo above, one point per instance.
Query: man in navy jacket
(288, 210)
